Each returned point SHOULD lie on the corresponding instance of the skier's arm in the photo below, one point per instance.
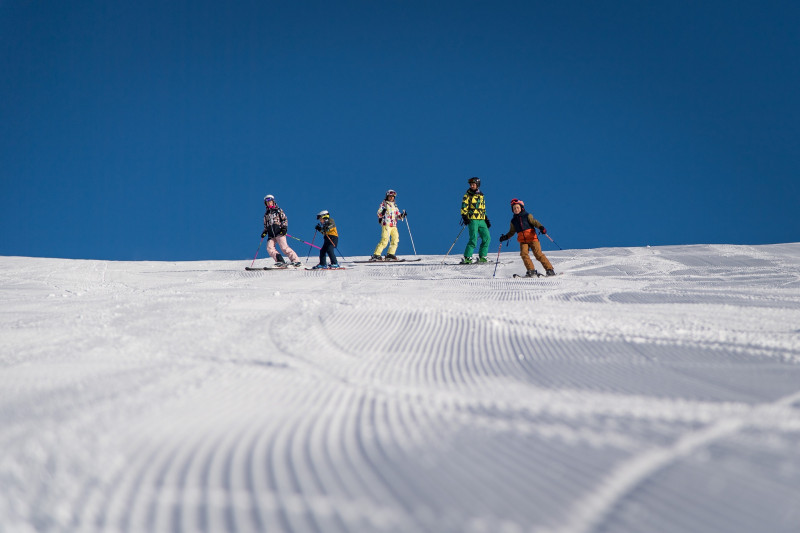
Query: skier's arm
(284, 223)
(533, 222)
(264, 233)
(511, 232)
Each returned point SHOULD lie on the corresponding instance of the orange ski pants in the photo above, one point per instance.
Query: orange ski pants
(535, 247)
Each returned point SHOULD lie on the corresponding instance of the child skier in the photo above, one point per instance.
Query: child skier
(473, 215)
(388, 215)
(276, 225)
(525, 226)
(330, 240)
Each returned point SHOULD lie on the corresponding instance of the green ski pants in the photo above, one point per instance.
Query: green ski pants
(478, 227)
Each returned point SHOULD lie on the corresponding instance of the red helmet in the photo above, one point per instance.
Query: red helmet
(516, 201)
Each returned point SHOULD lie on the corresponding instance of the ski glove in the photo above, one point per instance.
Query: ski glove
(283, 231)
(318, 228)
(488, 224)
(264, 234)
(543, 230)
(465, 220)
(504, 238)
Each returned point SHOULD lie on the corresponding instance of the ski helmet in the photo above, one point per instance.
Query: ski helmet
(268, 198)
(476, 180)
(322, 213)
(517, 202)
(391, 192)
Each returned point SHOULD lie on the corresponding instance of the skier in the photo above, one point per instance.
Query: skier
(330, 238)
(473, 215)
(388, 215)
(276, 225)
(525, 226)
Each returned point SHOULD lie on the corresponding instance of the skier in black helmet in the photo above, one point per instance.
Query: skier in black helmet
(473, 215)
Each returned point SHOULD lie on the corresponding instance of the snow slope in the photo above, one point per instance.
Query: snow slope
(645, 390)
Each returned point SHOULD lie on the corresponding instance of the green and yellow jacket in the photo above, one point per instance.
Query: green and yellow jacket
(473, 205)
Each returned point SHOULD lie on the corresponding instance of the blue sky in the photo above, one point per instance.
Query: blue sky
(152, 130)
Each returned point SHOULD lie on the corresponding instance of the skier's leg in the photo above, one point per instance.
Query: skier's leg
(285, 248)
(473, 238)
(384, 241)
(539, 255)
(525, 253)
(323, 252)
(486, 238)
(273, 253)
(333, 242)
(395, 240)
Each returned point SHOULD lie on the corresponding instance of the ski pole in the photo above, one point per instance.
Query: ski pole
(312, 244)
(259, 249)
(498, 259)
(301, 240)
(454, 242)
(408, 226)
(551, 240)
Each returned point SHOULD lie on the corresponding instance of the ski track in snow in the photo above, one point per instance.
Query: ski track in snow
(645, 390)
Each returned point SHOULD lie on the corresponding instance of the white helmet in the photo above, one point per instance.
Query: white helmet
(269, 197)
(322, 213)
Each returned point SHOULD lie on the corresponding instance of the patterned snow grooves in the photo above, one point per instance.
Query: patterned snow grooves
(627, 395)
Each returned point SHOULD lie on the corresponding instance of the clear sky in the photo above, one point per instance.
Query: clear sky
(153, 129)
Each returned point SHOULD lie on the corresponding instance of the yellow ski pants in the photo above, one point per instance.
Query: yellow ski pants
(387, 234)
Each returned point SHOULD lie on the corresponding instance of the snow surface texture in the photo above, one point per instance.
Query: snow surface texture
(645, 390)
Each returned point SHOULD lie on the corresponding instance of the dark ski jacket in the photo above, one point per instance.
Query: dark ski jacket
(327, 226)
(275, 222)
(525, 226)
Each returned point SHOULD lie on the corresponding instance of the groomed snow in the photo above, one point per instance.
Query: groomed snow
(644, 390)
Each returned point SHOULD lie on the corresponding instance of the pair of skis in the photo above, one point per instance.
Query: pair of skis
(291, 268)
(537, 276)
(389, 262)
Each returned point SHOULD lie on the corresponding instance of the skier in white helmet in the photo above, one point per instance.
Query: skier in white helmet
(330, 240)
(275, 226)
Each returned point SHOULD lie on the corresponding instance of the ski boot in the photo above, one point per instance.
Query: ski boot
(334, 266)
(297, 264)
(466, 261)
(279, 262)
(550, 272)
(532, 274)
(320, 267)
(376, 257)
(390, 257)
(482, 260)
